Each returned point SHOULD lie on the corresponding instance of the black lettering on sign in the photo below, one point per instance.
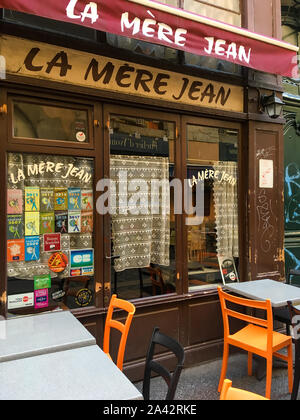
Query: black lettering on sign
(142, 78)
(29, 60)
(60, 60)
(107, 71)
(158, 84)
(123, 74)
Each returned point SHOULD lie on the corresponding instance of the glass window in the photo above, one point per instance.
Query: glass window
(37, 121)
(224, 10)
(50, 254)
(143, 229)
(212, 159)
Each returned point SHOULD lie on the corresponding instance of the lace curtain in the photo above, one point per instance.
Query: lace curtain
(144, 238)
(226, 209)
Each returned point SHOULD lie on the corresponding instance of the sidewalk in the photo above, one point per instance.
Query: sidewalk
(201, 382)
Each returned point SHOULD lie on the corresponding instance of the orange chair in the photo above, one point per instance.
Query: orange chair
(257, 337)
(229, 393)
(116, 303)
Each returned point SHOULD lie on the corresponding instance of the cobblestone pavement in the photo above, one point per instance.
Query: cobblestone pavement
(201, 382)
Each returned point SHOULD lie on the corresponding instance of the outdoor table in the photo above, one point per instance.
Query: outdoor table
(278, 293)
(85, 373)
(40, 334)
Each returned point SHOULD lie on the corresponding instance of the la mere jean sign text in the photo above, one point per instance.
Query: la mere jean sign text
(49, 62)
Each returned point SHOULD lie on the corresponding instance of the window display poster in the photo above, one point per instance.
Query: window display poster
(32, 248)
(228, 270)
(47, 200)
(74, 221)
(15, 250)
(47, 224)
(32, 199)
(20, 300)
(86, 221)
(74, 198)
(61, 221)
(42, 282)
(32, 223)
(52, 242)
(60, 199)
(81, 262)
(15, 226)
(86, 200)
(41, 299)
(14, 201)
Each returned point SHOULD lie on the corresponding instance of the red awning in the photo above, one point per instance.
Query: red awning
(161, 24)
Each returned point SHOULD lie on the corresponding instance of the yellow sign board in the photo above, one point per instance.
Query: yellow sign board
(54, 63)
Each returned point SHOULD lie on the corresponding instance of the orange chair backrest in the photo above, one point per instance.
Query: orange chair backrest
(251, 319)
(229, 393)
(116, 303)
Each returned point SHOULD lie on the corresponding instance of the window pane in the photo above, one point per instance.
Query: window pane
(49, 232)
(143, 231)
(224, 10)
(212, 159)
(47, 122)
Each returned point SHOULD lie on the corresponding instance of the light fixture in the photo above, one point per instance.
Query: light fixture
(272, 104)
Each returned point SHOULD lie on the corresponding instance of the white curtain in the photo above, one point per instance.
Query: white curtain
(144, 238)
(226, 209)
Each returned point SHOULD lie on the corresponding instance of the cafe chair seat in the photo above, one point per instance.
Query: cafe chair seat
(123, 328)
(153, 366)
(229, 393)
(257, 337)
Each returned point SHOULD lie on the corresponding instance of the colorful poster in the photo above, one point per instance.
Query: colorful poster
(32, 199)
(47, 224)
(47, 200)
(58, 262)
(32, 248)
(14, 201)
(15, 226)
(87, 221)
(74, 221)
(86, 200)
(41, 299)
(52, 242)
(32, 223)
(42, 282)
(15, 250)
(81, 262)
(74, 198)
(61, 221)
(60, 199)
(20, 301)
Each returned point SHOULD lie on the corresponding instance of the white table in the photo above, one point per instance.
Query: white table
(40, 334)
(85, 373)
(278, 293)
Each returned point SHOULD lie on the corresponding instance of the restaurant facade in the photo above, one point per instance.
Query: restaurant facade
(85, 113)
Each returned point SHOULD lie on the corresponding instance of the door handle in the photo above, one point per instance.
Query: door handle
(113, 257)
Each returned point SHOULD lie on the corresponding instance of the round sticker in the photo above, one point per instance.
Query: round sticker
(58, 262)
(80, 136)
(83, 297)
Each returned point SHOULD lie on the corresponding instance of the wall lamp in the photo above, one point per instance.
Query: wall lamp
(272, 104)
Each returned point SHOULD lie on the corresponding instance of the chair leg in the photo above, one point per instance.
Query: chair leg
(250, 360)
(269, 377)
(290, 367)
(296, 374)
(224, 366)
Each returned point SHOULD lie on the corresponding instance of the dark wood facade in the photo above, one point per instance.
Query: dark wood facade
(194, 319)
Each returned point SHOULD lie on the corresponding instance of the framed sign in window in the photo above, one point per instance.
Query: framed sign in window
(228, 270)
